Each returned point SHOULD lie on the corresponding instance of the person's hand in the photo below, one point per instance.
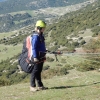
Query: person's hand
(44, 57)
(36, 60)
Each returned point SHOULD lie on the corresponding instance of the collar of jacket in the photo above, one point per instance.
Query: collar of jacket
(36, 33)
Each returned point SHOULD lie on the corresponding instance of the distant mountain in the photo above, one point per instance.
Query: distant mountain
(2, 0)
(10, 22)
(19, 5)
(19, 19)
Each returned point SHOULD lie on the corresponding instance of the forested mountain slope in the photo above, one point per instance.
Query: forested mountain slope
(10, 22)
(74, 24)
(18, 5)
(21, 18)
(68, 26)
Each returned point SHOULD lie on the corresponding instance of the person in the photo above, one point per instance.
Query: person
(38, 56)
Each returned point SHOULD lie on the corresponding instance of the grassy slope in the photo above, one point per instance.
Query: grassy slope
(74, 86)
(69, 59)
(6, 34)
(11, 51)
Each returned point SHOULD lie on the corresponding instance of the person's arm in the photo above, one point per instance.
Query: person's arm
(35, 42)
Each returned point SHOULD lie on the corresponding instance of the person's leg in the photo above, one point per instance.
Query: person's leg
(32, 80)
(38, 78)
(38, 74)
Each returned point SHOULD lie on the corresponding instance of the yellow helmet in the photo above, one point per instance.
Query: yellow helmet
(40, 23)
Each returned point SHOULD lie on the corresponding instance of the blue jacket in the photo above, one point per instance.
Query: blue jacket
(38, 45)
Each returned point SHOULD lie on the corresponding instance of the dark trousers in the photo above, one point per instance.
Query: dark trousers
(36, 75)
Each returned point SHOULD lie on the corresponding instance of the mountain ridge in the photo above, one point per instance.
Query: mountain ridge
(10, 22)
(19, 5)
(2, 0)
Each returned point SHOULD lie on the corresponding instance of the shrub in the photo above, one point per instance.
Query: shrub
(54, 72)
(75, 44)
(4, 82)
(82, 42)
(68, 67)
(59, 65)
(63, 71)
(49, 73)
(63, 60)
(49, 59)
(46, 67)
(87, 66)
(80, 38)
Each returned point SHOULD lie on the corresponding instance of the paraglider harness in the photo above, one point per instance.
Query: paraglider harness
(28, 65)
(24, 61)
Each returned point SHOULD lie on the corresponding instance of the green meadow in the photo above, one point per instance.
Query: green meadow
(73, 86)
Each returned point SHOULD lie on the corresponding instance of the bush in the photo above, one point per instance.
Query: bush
(46, 67)
(82, 42)
(87, 66)
(68, 67)
(63, 71)
(54, 72)
(59, 65)
(80, 38)
(4, 82)
(49, 59)
(75, 44)
(50, 73)
(63, 60)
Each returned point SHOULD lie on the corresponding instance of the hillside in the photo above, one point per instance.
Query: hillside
(71, 29)
(20, 5)
(10, 22)
(76, 29)
(16, 20)
(79, 29)
(73, 86)
(70, 26)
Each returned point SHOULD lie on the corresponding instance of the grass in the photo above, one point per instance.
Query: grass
(10, 52)
(6, 34)
(17, 22)
(31, 12)
(69, 59)
(19, 12)
(86, 33)
(73, 86)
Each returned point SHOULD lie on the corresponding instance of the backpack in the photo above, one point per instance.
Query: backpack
(24, 59)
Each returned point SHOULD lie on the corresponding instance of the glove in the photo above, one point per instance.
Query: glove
(36, 60)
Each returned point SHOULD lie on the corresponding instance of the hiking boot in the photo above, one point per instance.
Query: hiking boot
(33, 89)
(42, 88)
